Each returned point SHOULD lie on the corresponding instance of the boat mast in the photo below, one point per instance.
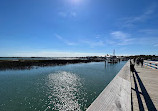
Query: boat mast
(114, 52)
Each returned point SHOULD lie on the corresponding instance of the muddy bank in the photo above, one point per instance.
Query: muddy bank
(28, 64)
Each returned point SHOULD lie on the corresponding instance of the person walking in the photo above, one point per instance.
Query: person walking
(132, 67)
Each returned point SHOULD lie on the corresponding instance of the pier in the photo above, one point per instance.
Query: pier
(145, 87)
(137, 91)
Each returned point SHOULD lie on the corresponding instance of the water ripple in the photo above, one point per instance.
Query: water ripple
(64, 89)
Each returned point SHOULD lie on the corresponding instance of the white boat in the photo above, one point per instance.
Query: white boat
(112, 58)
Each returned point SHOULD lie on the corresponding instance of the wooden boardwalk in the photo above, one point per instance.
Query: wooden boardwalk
(144, 83)
(137, 91)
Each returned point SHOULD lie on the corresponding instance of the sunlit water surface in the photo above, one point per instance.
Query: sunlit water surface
(71, 87)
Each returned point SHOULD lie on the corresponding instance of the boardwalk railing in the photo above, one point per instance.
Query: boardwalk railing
(151, 64)
(117, 95)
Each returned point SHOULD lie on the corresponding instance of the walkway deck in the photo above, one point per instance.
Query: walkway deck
(144, 89)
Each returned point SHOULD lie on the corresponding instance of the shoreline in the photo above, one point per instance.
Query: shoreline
(28, 64)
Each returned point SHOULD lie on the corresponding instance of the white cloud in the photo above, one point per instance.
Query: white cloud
(148, 41)
(53, 54)
(120, 38)
(58, 36)
(119, 35)
(93, 43)
(156, 45)
(97, 36)
(64, 40)
(90, 43)
(149, 31)
(131, 21)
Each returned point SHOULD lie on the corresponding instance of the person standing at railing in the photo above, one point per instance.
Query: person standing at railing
(142, 62)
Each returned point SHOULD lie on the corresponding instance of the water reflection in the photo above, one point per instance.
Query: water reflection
(71, 87)
(64, 90)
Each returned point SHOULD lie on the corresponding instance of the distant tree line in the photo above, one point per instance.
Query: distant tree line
(145, 57)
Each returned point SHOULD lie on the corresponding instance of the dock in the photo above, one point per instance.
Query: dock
(137, 91)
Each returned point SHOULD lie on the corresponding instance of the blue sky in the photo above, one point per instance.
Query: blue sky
(78, 27)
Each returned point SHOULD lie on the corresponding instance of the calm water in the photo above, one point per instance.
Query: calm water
(69, 87)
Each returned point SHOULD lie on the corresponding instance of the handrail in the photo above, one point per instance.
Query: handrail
(151, 64)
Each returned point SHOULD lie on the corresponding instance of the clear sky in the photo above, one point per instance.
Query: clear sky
(78, 27)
